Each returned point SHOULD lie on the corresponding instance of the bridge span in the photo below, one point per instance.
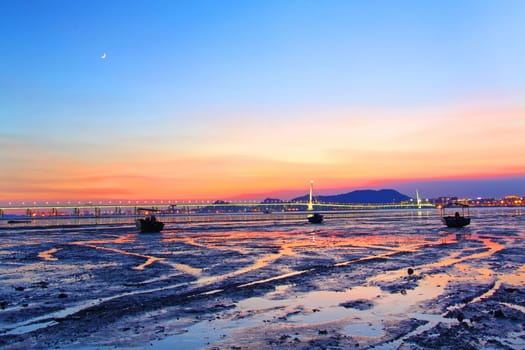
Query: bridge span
(135, 208)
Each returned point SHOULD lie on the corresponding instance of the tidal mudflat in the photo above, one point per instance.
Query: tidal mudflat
(371, 279)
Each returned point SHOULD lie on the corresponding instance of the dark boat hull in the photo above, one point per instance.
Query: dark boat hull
(315, 218)
(146, 226)
(18, 221)
(456, 221)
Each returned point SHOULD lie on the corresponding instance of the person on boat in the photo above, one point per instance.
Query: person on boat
(457, 216)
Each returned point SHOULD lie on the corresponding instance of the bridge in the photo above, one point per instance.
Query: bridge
(135, 208)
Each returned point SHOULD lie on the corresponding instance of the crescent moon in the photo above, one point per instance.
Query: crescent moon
(104, 56)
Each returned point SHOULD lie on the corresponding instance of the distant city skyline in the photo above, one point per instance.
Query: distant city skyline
(469, 188)
(233, 99)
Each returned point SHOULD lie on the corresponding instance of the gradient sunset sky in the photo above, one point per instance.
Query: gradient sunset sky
(219, 99)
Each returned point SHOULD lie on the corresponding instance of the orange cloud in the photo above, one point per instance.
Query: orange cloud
(269, 152)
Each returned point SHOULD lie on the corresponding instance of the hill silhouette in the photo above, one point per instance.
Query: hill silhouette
(361, 197)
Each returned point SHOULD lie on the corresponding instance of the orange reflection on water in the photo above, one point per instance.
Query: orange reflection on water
(517, 278)
(261, 259)
(149, 259)
(127, 238)
(48, 254)
(492, 248)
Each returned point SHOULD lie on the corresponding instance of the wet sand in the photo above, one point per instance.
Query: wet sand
(385, 279)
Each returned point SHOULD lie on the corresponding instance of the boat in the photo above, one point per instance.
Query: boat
(18, 221)
(315, 218)
(458, 219)
(149, 224)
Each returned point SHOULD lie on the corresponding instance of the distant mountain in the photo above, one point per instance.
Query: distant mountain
(361, 197)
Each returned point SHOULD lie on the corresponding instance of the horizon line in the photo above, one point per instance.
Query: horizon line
(238, 199)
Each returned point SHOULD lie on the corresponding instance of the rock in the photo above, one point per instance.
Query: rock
(360, 304)
(499, 314)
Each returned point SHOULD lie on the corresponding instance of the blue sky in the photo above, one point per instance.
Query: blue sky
(188, 80)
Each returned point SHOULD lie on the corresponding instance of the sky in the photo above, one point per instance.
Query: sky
(220, 99)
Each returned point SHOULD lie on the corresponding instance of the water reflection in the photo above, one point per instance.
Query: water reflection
(48, 254)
